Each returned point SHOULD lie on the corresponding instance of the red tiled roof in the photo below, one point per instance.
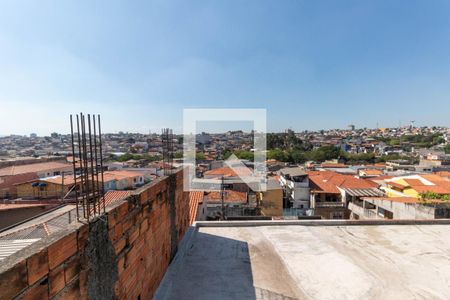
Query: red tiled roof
(372, 172)
(195, 198)
(414, 182)
(382, 177)
(19, 206)
(320, 184)
(33, 168)
(230, 196)
(396, 185)
(328, 181)
(432, 188)
(437, 180)
(10, 181)
(443, 174)
(113, 196)
(228, 172)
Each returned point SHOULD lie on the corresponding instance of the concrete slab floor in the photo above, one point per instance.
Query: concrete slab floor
(312, 262)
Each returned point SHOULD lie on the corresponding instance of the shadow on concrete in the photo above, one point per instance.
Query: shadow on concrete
(213, 267)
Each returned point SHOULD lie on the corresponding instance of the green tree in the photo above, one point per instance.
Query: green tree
(200, 156)
(323, 153)
(447, 149)
(297, 156)
(277, 154)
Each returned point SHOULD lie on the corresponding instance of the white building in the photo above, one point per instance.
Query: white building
(296, 187)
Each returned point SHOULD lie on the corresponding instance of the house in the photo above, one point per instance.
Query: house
(398, 208)
(123, 180)
(332, 192)
(8, 188)
(45, 169)
(416, 185)
(295, 183)
(45, 188)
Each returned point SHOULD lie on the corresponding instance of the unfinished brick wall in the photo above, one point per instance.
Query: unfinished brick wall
(142, 236)
(124, 256)
(50, 269)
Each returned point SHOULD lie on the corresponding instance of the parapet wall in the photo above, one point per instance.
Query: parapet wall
(124, 255)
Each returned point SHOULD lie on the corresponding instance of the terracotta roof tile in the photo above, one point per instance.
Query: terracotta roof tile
(33, 168)
(328, 181)
(228, 172)
(195, 198)
(372, 171)
(113, 196)
(230, 196)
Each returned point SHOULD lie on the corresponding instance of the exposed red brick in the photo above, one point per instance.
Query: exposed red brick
(62, 249)
(72, 268)
(56, 280)
(112, 218)
(83, 284)
(141, 236)
(13, 281)
(126, 224)
(121, 265)
(120, 245)
(122, 211)
(144, 226)
(71, 291)
(82, 237)
(133, 235)
(38, 291)
(37, 266)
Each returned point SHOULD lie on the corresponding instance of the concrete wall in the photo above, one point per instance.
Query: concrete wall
(405, 210)
(272, 202)
(123, 256)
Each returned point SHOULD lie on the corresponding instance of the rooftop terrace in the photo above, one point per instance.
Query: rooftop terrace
(232, 260)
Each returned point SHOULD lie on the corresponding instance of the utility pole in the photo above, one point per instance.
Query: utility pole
(222, 192)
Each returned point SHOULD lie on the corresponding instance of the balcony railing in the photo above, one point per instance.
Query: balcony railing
(329, 204)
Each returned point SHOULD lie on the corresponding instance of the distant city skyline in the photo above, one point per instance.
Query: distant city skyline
(232, 129)
(312, 64)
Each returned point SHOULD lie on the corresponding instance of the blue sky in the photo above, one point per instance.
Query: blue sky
(311, 64)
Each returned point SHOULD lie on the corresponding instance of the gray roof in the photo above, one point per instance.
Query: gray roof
(370, 192)
(295, 171)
